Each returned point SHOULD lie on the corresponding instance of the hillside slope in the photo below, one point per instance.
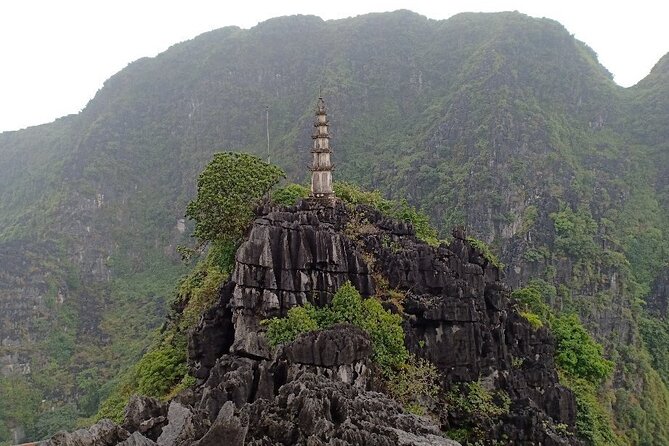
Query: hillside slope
(501, 122)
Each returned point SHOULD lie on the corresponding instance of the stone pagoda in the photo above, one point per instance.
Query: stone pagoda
(321, 165)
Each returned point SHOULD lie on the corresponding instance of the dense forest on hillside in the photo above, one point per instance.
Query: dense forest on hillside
(500, 122)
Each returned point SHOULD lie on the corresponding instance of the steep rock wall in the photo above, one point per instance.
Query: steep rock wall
(457, 312)
(323, 387)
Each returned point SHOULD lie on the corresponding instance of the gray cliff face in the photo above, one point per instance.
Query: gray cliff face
(658, 301)
(323, 388)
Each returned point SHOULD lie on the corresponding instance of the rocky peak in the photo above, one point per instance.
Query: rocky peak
(323, 388)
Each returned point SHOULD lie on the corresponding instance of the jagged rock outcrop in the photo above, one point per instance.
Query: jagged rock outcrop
(104, 433)
(146, 416)
(322, 388)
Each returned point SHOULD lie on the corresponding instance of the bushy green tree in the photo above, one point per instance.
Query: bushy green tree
(577, 352)
(289, 194)
(575, 232)
(531, 299)
(228, 189)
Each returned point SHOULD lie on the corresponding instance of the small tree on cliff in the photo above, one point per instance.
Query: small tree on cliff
(228, 190)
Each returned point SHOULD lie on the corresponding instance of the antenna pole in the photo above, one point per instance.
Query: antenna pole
(267, 125)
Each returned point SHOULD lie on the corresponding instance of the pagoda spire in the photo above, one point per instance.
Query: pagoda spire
(321, 165)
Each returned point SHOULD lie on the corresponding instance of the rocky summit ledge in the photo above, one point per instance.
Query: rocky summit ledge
(323, 388)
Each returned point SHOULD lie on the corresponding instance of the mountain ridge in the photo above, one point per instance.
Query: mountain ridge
(501, 122)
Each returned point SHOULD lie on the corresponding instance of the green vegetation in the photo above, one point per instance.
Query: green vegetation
(655, 333)
(532, 299)
(161, 369)
(228, 189)
(289, 194)
(383, 327)
(19, 402)
(575, 232)
(161, 372)
(482, 407)
(500, 122)
(593, 422)
(477, 402)
(534, 320)
(298, 320)
(414, 385)
(410, 380)
(486, 251)
(577, 353)
(400, 210)
(579, 358)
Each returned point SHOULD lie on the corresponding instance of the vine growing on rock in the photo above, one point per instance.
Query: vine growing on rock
(400, 210)
(486, 251)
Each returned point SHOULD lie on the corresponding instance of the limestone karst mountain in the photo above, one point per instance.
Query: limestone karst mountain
(323, 387)
(500, 122)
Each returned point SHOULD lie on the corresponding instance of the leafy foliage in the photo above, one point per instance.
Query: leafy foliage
(55, 419)
(298, 320)
(400, 210)
(577, 353)
(656, 338)
(19, 402)
(575, 232)
(474, 402)
(593, 422)
(355, 195)
(289, 194)
(477, 402)
(481, 112)
(532, 305)
(161, 369)
(486, 251)
(579, 358)
(533, 319)
(410, 380)
(227, 191)
(414, 384)
(383, 327)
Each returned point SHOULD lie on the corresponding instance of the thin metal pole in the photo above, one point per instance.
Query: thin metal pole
(267, 118)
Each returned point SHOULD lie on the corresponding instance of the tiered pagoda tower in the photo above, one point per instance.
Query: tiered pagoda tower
(321, 165)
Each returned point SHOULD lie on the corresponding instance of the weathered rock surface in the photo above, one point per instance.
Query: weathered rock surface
(104, 433)
(146, 416)
(342, 344)
(658, 300)
(322, 388)
(137, 439)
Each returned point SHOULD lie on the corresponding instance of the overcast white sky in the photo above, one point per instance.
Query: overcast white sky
(55, 54)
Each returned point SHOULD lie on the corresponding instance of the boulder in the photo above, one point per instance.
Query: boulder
(103, 433)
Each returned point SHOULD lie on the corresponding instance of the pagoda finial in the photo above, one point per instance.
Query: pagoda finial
(321, 165)
(320, 109)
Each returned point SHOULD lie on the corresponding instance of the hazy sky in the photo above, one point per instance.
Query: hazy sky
(55, 54)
